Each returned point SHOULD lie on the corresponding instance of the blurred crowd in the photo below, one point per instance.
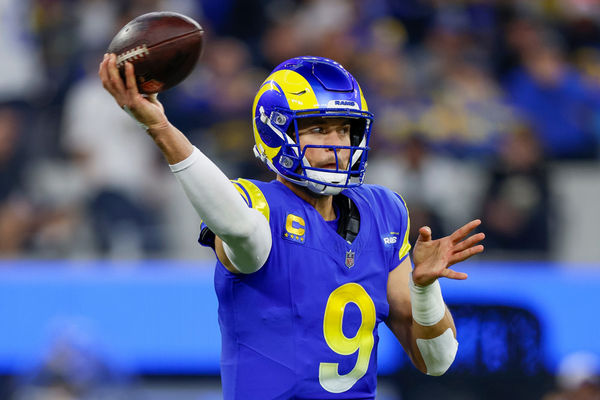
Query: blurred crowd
(473, 99)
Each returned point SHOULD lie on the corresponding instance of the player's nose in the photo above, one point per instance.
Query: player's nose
(335, 138)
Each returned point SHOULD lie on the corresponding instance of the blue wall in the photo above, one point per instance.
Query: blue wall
(161, 316)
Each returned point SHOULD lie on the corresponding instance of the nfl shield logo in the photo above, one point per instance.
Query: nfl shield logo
(349, 259)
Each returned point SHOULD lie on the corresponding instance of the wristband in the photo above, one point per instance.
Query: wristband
(427, 303)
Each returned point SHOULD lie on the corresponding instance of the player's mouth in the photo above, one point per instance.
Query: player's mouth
(332, 166)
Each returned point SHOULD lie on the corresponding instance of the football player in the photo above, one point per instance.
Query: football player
(309, 264)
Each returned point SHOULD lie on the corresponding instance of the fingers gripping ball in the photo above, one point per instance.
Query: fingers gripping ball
(162, 46)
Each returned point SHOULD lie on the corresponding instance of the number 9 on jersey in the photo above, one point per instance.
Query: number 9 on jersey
(363, 341)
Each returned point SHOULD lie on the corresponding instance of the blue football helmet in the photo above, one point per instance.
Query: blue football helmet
(308, 87)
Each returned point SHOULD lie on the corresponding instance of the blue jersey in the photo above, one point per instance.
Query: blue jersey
(305, 325)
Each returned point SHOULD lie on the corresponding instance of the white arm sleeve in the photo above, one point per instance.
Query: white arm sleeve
(245, 232)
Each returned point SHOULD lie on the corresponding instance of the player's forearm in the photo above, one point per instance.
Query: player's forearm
(434, 346)
(401, 325)
(407, 331)
(174, 145)
(433, 332)
(425, 332)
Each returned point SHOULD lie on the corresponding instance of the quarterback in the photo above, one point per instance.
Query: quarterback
(309, 264)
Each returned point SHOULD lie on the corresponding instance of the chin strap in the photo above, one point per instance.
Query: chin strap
(349, 224)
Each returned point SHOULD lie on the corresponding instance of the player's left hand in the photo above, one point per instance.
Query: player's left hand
(432, 258)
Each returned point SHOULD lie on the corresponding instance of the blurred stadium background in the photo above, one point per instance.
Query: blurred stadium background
(484, 108)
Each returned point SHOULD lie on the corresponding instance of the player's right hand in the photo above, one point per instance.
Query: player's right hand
(146, 109)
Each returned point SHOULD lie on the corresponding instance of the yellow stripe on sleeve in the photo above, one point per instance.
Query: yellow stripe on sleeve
(405, 244)
(253, 196)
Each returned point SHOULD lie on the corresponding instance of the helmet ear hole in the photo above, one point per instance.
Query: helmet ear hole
(358, 128)
(291, 131)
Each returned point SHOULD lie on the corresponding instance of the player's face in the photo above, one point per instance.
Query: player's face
(325, 132)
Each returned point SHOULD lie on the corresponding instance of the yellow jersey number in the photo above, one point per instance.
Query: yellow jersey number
(363, 341)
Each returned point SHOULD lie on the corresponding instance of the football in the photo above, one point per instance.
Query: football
(162, 46)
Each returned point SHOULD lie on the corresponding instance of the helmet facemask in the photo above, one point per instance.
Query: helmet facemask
(293, 165)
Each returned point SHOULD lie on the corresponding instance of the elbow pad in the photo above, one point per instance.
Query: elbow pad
(439, 352)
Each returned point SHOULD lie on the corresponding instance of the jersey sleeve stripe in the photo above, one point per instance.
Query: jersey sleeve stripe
(253, 196)
(405, 243)
(243, 193)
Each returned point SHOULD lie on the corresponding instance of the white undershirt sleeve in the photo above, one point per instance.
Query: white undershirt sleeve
(245, 232)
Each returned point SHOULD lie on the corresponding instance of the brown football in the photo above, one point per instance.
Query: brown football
(162, 46)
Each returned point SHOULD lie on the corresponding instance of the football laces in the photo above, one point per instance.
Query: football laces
(132, 54)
